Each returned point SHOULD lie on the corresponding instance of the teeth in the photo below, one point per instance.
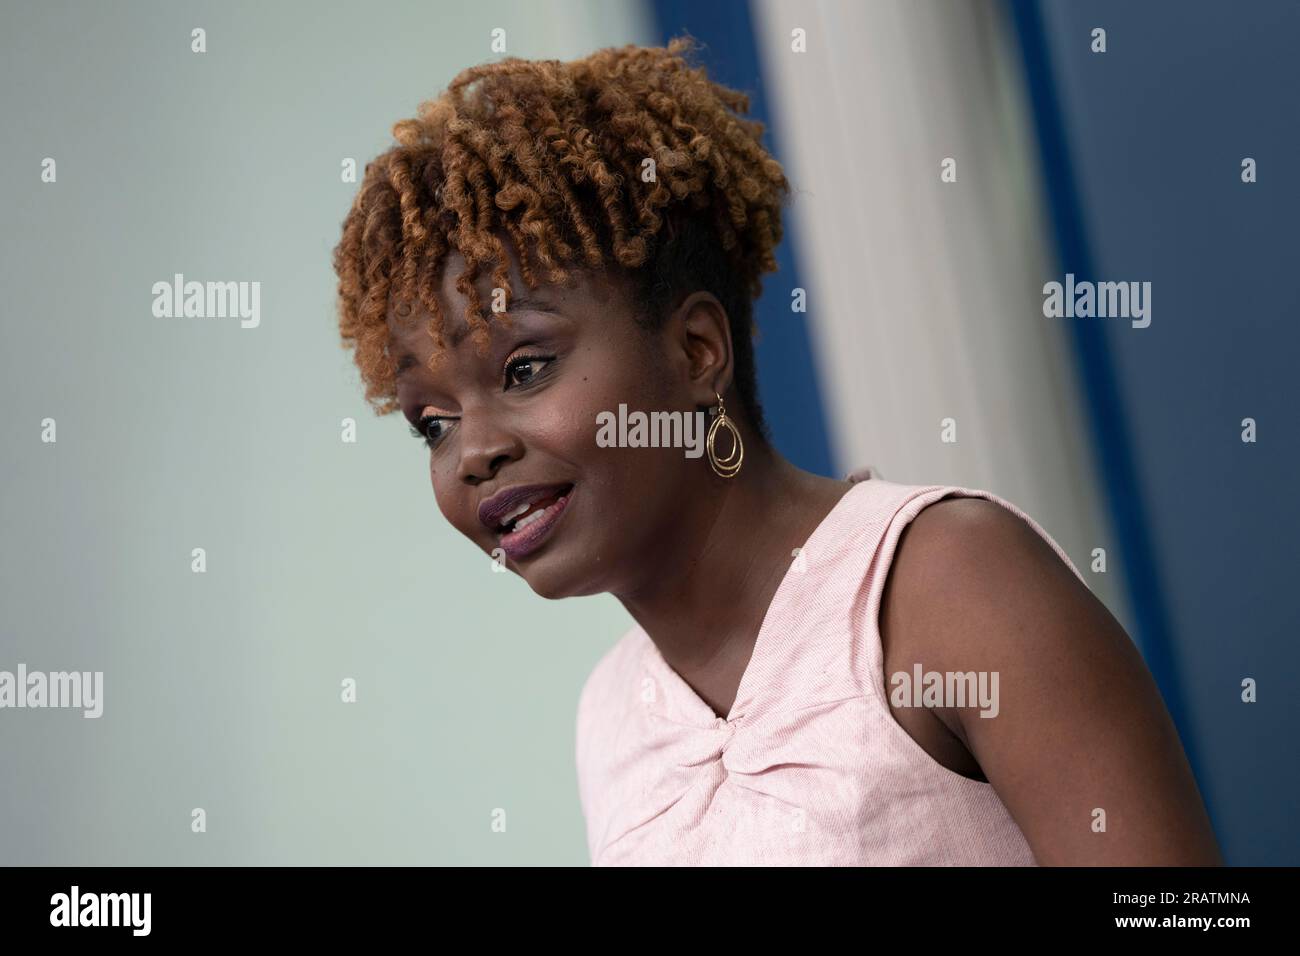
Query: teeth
(525, 522)
(516, 512)
(508, 525)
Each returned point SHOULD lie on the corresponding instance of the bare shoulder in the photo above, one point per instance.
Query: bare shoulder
(1080, 738)
(967, 572)
(962, 542)
(940, 595)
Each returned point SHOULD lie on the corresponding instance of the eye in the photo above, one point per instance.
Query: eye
(431, 428)
(524, 369)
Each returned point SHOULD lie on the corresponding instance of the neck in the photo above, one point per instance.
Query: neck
(708, 590)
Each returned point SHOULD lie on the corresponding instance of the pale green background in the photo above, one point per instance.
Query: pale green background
(325, 560)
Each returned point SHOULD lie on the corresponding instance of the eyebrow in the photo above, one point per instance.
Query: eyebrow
(405, 364)
(523, 303)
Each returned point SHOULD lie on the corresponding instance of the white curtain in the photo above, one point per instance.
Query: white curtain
(924, 296)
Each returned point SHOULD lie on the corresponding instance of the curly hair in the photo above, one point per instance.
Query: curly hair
(555, 156)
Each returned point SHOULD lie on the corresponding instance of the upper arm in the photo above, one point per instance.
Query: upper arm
(1080, 724)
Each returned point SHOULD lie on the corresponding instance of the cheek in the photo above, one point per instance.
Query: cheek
(450, 497)
(435, 479)
(602, 378)
(615, 477)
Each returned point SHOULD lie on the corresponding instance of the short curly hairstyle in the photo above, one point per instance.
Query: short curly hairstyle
(557, 155)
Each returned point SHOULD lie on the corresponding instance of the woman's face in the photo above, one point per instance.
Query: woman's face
(524, 416)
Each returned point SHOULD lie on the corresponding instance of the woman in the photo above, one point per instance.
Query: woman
(821, 671)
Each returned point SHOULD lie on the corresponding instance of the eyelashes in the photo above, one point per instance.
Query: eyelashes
(424, 429)
(524, 360)
(431, 428)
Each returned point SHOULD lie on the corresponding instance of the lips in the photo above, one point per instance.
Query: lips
(510, 504)
(532, 530)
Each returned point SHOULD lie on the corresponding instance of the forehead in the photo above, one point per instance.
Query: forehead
(587, 291)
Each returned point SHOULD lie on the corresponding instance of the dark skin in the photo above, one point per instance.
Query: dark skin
(971, 587)
(1081, 723)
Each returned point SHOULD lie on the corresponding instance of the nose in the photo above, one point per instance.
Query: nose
(486, 443)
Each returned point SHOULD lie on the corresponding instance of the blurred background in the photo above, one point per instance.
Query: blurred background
(329, 561)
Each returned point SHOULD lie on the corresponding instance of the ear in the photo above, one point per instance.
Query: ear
(704, 337)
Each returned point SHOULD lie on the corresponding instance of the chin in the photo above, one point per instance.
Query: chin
(554, 585)
(555, 574)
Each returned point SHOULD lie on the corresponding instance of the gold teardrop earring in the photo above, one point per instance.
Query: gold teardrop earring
(728, 466)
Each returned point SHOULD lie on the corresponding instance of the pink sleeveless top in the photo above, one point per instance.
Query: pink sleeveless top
(809, 767)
